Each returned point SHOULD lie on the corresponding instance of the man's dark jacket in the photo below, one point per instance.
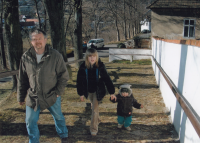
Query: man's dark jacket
(82, 85)
(43, 81)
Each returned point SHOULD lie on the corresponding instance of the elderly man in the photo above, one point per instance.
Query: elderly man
(42, 78)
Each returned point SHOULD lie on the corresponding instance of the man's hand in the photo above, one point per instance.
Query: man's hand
(141, 106)
(82, 98)
(112, 96)
(21, 103)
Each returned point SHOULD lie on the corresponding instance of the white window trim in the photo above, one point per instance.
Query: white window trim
(189, 28)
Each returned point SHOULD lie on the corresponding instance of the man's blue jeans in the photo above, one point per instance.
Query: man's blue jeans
(124, 120)
(32, 117)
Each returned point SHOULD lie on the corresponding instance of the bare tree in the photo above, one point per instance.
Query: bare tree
(129, 22)
(13, 36)
(69, 6)
(124, 11)
(2, 51)
(78, 50)
(45, 16)
(113, 8)
(38, 14)
(56, 19)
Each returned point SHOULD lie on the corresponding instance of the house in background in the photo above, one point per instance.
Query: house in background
(175, 19)
(28, 22)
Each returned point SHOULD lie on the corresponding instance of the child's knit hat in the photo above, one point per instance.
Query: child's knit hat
(125, 90)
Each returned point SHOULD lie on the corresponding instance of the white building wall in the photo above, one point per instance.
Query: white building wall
(182, 65)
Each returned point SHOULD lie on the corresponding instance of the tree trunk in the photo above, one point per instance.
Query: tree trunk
(95, 28)
(125, 35)
(2, 50)
(38, 14)
(45, 17)
(118, 35)
(129, 34)
(56, 19)
(67, 25)
(129, 24)
(78, 50)
(72, 38)
(2, 55)
(13, 36)
(133, 28)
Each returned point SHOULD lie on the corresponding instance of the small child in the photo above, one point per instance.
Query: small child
(125, 101)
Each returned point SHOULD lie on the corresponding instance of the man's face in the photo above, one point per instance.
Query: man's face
(38, 41)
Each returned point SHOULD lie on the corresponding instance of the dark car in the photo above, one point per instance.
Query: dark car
(145, 31)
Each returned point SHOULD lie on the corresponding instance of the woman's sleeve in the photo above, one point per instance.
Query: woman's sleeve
(80, 83)
(107, 80)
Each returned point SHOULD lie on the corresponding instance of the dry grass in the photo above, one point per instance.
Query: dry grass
(149, 124)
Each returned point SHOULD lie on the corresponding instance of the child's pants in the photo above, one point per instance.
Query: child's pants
(95, 113)
(124, 120)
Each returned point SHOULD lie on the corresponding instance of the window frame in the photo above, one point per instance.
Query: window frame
(184, 25)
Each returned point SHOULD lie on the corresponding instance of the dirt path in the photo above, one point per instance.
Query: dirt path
(150, 124)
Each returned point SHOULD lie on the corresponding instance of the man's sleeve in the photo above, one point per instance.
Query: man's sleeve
(62, 76)
(23, 83)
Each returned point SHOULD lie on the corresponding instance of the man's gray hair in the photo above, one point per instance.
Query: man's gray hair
(37, 31)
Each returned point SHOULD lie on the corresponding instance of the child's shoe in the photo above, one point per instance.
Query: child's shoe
(128, 128)
(119, 126)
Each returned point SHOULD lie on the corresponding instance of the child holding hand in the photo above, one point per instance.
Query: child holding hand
(125, 102)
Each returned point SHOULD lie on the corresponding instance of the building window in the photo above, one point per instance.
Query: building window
(189, 28)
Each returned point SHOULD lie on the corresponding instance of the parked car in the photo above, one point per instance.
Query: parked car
(145, 31)
(98, 43)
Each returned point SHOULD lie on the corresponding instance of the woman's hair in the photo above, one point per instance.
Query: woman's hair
(91, 52)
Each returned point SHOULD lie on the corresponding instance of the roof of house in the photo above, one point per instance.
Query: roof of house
(174, 4)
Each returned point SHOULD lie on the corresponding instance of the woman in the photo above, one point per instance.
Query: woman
(92, 76)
